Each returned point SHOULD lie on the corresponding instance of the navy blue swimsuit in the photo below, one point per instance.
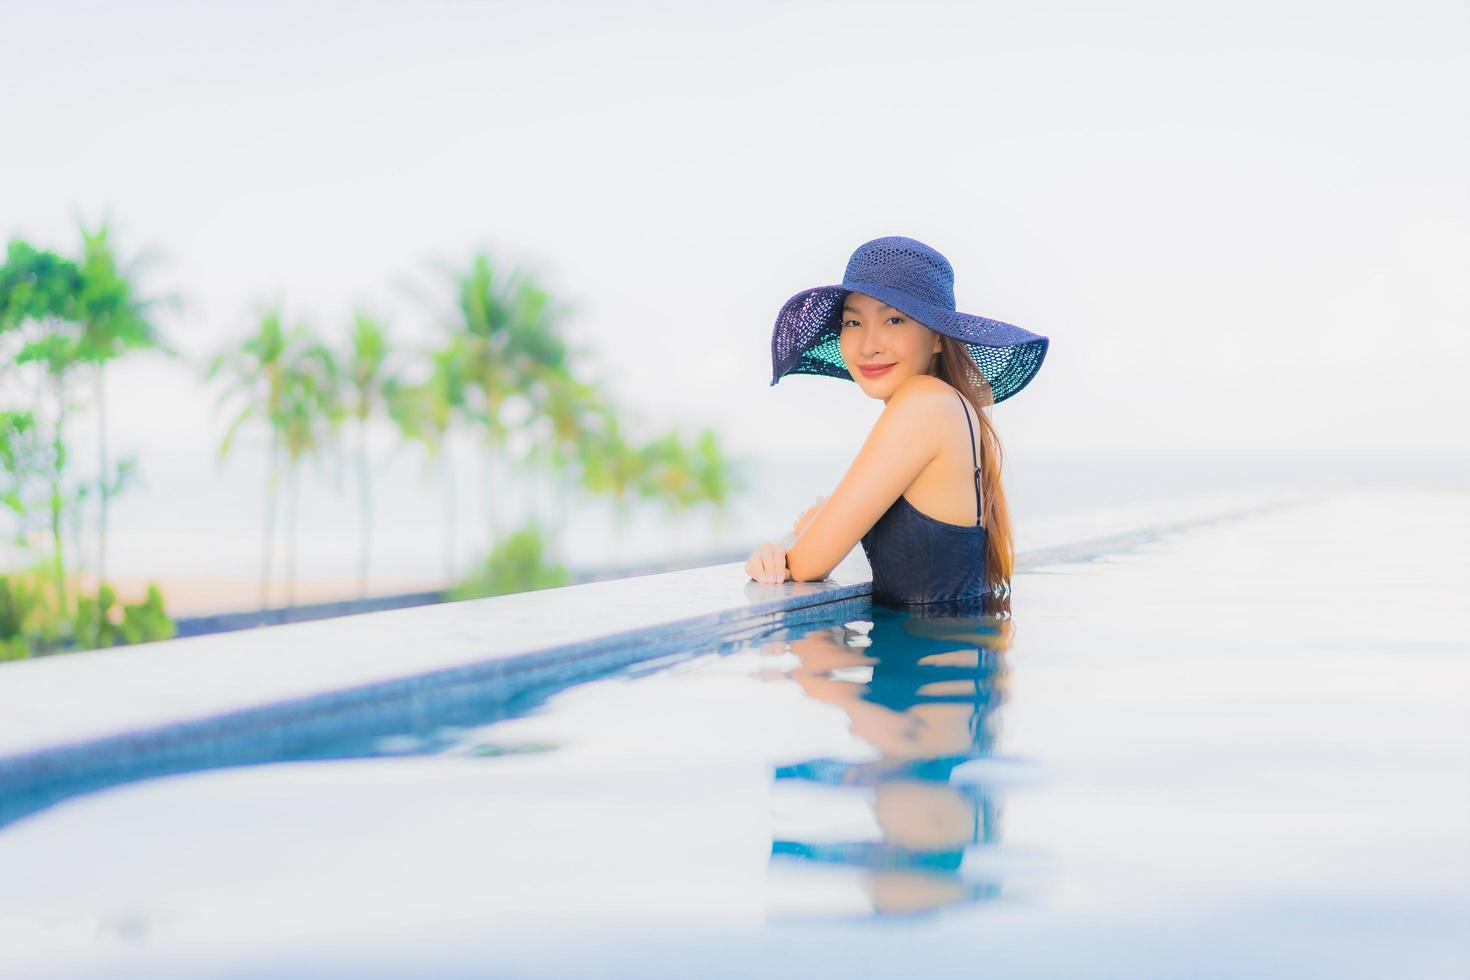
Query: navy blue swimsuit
(917, 559)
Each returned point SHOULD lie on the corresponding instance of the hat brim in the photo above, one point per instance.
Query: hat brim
(805, 337)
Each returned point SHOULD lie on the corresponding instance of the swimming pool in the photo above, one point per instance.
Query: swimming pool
(1238, 750)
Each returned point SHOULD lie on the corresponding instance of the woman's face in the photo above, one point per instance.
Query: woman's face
(875, 334)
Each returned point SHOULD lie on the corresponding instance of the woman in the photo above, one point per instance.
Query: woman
(924, 494)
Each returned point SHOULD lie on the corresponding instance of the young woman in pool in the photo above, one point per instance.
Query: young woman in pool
(924, 494)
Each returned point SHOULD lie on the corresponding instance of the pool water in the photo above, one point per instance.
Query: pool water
(1240, 750)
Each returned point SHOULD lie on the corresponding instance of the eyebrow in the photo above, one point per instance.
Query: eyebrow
(854, 309)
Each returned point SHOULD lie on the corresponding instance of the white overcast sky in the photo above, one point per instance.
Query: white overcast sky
(1243, 225)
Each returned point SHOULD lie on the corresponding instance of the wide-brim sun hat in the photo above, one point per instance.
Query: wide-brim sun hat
(919, 282)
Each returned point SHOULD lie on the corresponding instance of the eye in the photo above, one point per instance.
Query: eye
(846, 322)
(898, 318)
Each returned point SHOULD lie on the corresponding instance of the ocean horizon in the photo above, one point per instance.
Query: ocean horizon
(199, 530)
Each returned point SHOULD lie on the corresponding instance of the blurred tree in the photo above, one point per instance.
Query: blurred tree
(508, 334)
(26, 619)
(310, 422)
(561, 438)
(518, 564)
(24, 463)
(252, 374)
(288, 381)
(114, 319)
(24, 622)
(425, 414)
(65, 315)
(369, 381)
(612, 465)
(684, 476)
(39, 293)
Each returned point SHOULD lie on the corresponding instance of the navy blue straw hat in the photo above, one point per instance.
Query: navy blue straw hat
(918, 282)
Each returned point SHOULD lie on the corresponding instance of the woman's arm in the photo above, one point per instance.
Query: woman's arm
(768, 561)
(901, 444)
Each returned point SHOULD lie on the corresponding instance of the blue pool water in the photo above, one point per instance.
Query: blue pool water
(1237, 751)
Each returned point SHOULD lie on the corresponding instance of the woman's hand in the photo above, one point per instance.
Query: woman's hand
(767, 564)
(807, 515)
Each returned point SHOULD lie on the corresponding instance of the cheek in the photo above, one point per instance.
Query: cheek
(915, 347)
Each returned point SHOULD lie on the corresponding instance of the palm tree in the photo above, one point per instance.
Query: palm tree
(38, 296)
(425, 413)
(717, 479)
(563, 433)
(254, 376)
(508, 328)
(611, 464)
(309, 422)
(114, 320)
(368, 380)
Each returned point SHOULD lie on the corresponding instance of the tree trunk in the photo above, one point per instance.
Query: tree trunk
(488, 470)
(58, 462)
(293, 502)
(533, 488)
(364, 477)
(271, 474)
(619, 530)
(102, 493)
(557, 516)
(447, 475)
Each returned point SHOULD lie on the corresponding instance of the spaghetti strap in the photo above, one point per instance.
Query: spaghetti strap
(971, 426)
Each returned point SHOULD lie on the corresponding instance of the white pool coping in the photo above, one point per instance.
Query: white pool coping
(68, 701)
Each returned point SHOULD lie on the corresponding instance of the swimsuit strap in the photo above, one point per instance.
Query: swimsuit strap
(971, 426)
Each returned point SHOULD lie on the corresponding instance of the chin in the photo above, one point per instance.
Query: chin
(878, 387)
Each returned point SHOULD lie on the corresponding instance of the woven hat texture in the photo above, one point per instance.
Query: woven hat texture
(917, 281)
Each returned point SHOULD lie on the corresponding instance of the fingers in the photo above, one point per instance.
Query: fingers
(770, 561)
(774, 560)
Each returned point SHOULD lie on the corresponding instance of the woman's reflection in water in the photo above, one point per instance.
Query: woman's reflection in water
(921, 687)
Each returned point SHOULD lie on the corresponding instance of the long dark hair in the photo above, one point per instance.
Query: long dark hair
(955, 366)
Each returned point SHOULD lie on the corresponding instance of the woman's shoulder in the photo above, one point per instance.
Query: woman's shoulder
(918, 411)
(926, 387)
(932, 410)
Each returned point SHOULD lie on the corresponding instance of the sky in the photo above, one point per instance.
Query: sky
(1241, 225)
(1244, 226)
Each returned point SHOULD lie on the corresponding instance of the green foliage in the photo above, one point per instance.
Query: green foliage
(286, 379)
(65, 314)
(291, 383)
(141, 622)
(311, 409)
(503, 367)
(24, 619)
(24, 456)
(517, 564)
(506, 334)
(114, 317)
(37, 285)
(367, 373)
(30, 624)
(368, 385)
(684, 476)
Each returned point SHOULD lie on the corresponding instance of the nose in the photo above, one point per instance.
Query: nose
(872, 344)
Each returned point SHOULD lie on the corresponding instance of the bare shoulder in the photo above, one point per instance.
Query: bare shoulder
(920, 385)
(924, 386)
(915, 403)
(908, 420)
(931, 412)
